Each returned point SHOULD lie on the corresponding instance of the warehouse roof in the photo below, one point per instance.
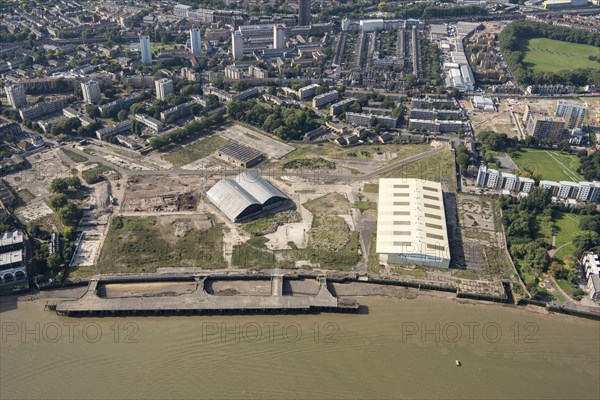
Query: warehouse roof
(244, 195)
(411, 218)
(240, 152)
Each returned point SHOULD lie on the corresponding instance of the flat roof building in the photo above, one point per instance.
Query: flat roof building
(240, 155)
(411, 223)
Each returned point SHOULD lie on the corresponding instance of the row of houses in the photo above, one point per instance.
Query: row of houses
(493, 179)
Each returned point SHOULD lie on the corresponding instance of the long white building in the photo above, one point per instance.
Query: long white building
(411, 223)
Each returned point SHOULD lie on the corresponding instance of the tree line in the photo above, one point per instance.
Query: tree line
(285, 122)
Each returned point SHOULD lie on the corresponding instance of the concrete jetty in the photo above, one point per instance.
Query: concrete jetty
(201, 302)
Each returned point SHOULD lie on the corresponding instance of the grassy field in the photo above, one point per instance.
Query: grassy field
(361, 153)
(438, 168)
(548, 55)
(142, 244)
(551, 165)
(373, 266)
(330, 204)
(199, 149)
(365, 205)
(371, 187)
(266, 225)
(78, 158)
(253, 254)
(567, 225)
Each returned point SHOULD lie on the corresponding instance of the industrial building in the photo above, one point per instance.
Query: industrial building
(411, 223)
(13, 269)
(240, 155)
(247, 196)
(483, 103)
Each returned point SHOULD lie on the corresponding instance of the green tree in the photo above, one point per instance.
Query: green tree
(58, 201)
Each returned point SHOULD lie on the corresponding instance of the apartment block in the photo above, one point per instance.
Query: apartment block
(573, 112)
(325, 98)
(41, 109)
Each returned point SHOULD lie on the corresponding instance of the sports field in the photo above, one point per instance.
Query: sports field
(550, 165)
(548, 55)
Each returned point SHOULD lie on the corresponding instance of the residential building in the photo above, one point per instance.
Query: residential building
(509, 181)
(195, 41)
(546, 127)
(237, 45)
(554, 187)
(573, 113)
(591, 267)
(145, 50)
(325, 98)
(150, 122)
(365, 119)
(232, 72)
(257, 72)
(190, 75)
(16, 95)
(411, 223)
(164, 87)
(339, 107)
(113, 130)
(41, 109)
(526, 185)
(91, 92)
(567, 189)
(304, 13)
(178, 111)
(278, 36)
(588, 192)
(308, 91)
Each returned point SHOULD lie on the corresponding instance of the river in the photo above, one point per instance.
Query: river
(399, 349)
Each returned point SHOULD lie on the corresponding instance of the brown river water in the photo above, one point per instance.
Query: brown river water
(399, 349)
